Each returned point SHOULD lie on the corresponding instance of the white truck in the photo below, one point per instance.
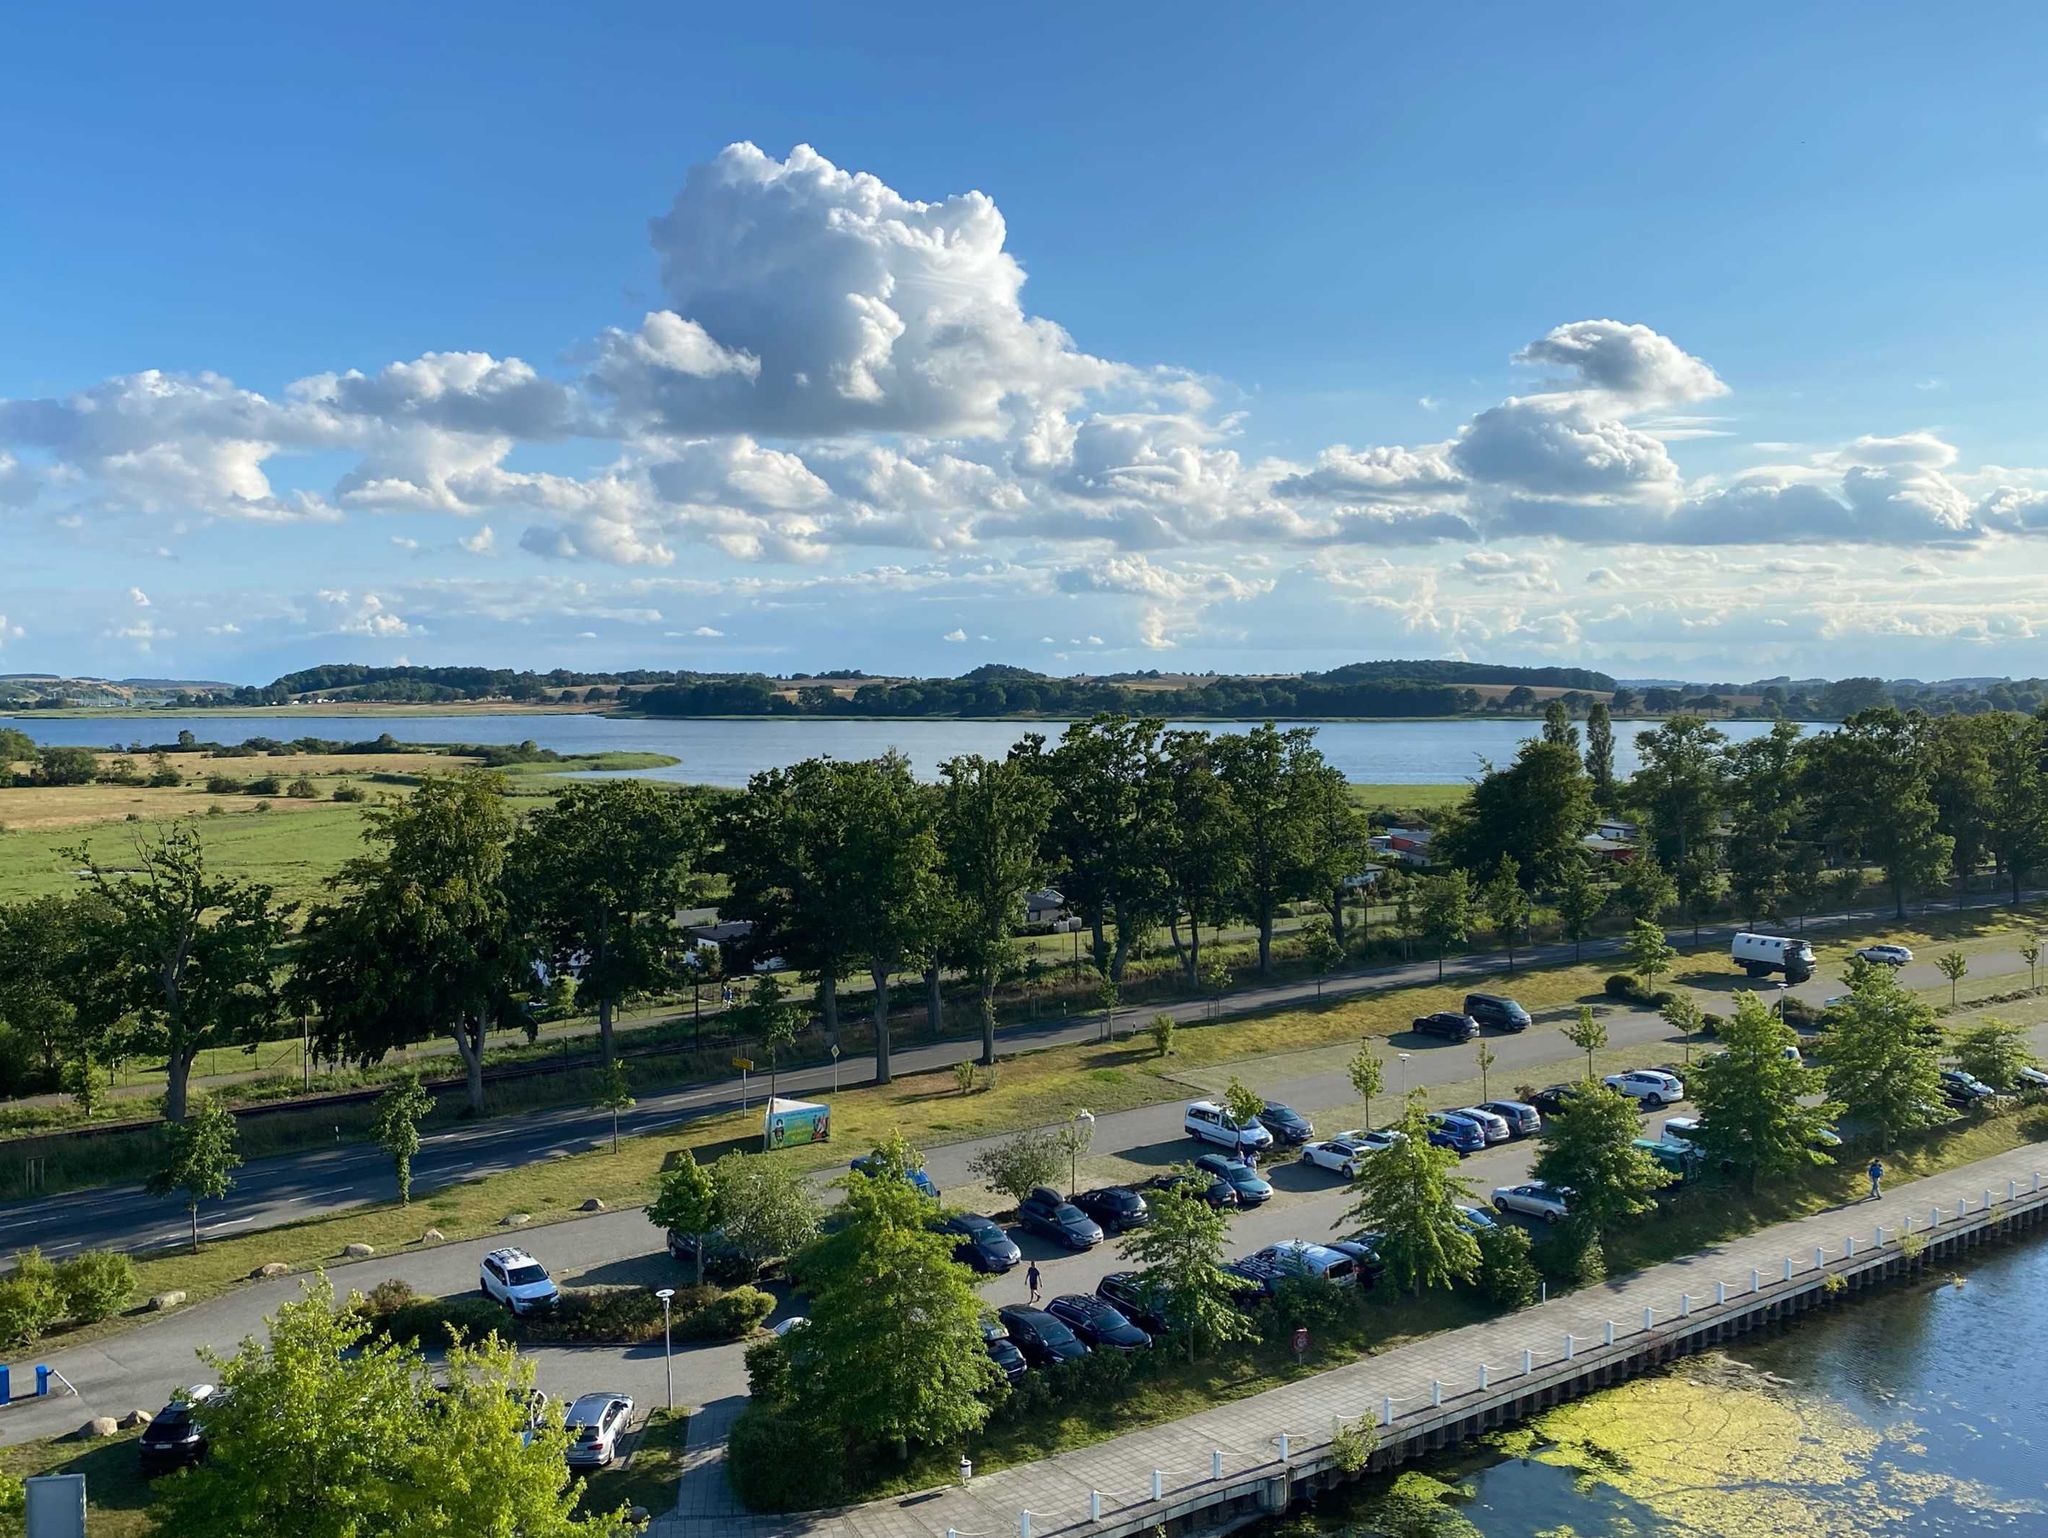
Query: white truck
(1761, 955)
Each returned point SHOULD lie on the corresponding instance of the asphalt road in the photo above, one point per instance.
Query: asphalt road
(142, 1367)
(290, 1188)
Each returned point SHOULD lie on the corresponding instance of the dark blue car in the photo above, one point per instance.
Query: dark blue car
(1458, 1132)
(871, 1164)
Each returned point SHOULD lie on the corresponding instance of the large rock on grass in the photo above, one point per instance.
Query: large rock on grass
(359, 1251)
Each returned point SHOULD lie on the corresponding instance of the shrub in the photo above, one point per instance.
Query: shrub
(733, 1316)
(388, 1297)
(779, 1460)
(350, 793)
(29, 1302)
(223, 785)
(302, 789)
(261, 806)
(1161, 1030)
(264, 785)
(1712, 1025)
(1798, 1012)
(768, 1371)
(1507, 1275)
(1304, 1302)
(95, 1285)
(428, 1322)
(1658, 999)
(963, 1077)
(1622, 985)
(1570, 1253)
(613, 1315)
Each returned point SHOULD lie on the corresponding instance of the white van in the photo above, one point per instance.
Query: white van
(1211, 1123)
(1761, 955)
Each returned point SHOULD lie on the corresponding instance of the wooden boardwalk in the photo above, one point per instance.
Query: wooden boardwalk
(1230, 1464)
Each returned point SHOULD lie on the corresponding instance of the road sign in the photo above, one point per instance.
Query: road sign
(743, 1064)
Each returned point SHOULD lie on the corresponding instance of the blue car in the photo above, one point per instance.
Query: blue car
(1459, 1132)
(1243, 1179)
(871, 1164)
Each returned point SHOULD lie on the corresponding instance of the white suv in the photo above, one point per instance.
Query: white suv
(515, 1279)
(1648, 1086)
(1211, 1123)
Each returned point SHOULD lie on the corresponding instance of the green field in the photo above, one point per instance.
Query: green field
(1408, 798)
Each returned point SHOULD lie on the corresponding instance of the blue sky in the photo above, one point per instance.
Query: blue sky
(1217, 371)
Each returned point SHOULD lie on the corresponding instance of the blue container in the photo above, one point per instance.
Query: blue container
(6, 1387)
(42, 1382)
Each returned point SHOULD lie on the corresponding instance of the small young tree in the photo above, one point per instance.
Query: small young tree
(1507, 905)
(1368, 1076)
(1579, 902)
(1486, 1057)
(1242, 1101)
(773, 1019)
(1161, 1031)
(1181, 1249)
(1993, 1051)
(199, 1161)
(1953, 965)
(614, 1094)
(2030, 953)
(1073, 1140)
(1408, 1194)
(399, 1112)
(86, 1083)
(1013, 1167)
(1445, 918)
(1649, 957)
(1646, 890)
(767, 1209)
(686, 1201)
(1588, 1034)
(1323, 951)
(1682, 1013)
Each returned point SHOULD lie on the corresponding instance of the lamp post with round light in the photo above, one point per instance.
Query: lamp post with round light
(1404, 1056)
(667, 1296)
(1079, 1136)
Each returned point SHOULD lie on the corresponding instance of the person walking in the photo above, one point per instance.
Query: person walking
(1876, 1174)
(1031, 1281)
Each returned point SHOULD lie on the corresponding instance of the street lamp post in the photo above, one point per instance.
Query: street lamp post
(668, 1373)
(1404, 1074)
(1083, 1134)
(835, 1067)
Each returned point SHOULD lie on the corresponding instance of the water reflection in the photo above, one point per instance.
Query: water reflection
(1915, 1412)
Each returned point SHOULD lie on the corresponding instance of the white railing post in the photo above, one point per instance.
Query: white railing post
(1528, 1361)
(1094, 1505)
(1482, 1376)
(1023, 1524)
(2012, 1190)
(1820, 1257)
(1756, 1280)
(1158, 1484)
(1788, 1268)
(1720, 1293)
(1849, 1248)
(1935, 1221)
(1571, 1347)
(1436, 1394)
(1387, 1410)
(1685, 1305)
(1282, 1440)
(1610, 1332)
(1216, 1463)
(1987, 1201)
(1909, 1223)
(1649, 1317)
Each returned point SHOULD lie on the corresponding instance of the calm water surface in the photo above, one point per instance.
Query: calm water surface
(727, 752)
(1916, 1411)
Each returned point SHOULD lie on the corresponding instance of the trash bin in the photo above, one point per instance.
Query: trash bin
(6, 1388)
(42, 1382)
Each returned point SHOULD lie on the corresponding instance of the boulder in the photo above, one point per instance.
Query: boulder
(432, 1236)
(359, 1251)
(163, 1300)
(270, 1268)
(135, 1418)
(515, 1220)
(595, 1204)
(100, 1426)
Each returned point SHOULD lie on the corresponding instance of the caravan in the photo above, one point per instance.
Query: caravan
(1761, 955)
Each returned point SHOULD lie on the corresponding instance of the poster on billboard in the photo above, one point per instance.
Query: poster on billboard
(790, 1122)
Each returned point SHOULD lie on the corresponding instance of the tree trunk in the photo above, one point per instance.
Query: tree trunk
(1118, 954)
(1337, 916)
(934, 1002)
(1266, 942)
(469, 1046)
(604, 1028)
(192, 1210)
(1194, 952)
(988, 1019)
(881, 976)
(828, 1004)
(700, 1259)
(1180, 951)
(177, 1083)
(1099, 947)
(1899, 897)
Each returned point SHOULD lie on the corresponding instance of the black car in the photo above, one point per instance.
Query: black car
(174, 1440)
(1043, 1339)
(1137, 1298)
(1503, 1014)
(1248, 1281)
(1047, 1212)
(1003, 1351)
(1365, 1249)
(1447, 1023)
(1962, 1090)
(722, 1262)
(981, 1243)
(1216, 1192)
(1285, 1123)
(1115, 1208)
(1552, 1098)
(1099, 1323)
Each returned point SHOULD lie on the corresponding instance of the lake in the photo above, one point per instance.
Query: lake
(1907, 1412)
(726, 752)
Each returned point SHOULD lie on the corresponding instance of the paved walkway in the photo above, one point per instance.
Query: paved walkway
(1246, 1432)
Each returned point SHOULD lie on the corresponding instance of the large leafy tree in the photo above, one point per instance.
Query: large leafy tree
(598, 875)
(1274, 778)
(1758, 1112)
(1882, 1055)
(52, 1001)
(1589, 1150)
(1958, 750)
(1680, 790)
(1337, 848)
(895, 907)
(1871, 780)
(1765, 803)
(1444, 915)
(1201, 844)
(188, 958)
(766, 1208)
(1408, 1194)
(418, 937)
(328, 1431)
(1994, 1051)
(893, 1351)
(2016, 803)
(1535, 812)
(1181, 1249)
(1600, 752)
(992, 820)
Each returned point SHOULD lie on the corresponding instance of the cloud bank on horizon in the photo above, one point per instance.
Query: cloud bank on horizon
(842, 426)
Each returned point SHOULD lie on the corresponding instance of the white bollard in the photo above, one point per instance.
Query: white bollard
(1788, 1268)
(1543, 1290)
(1571, 1347)
(1387, 1411)
(1023, 1524)
(1528, 1361)
(1849, 1248)
(1610, 1332)
(1216, 1463)
(1283, 1449)
(1436, 1394)
(1877, 1236)
(1820, 1256)
(1935, 1221)
(1482, 1375)
(1685, 1305)
(1909, 1223)
(1756, 1280)
(1158, 1484)
(1720, 1293)
(2037, 1180)
(1094, 1505)
(1987, 1201)
(2012, 1190)
(1649, 1317)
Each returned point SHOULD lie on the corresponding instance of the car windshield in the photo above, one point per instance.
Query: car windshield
(1279, 1112)
(979, 1228)
(525, 1276)
(1053, 1333)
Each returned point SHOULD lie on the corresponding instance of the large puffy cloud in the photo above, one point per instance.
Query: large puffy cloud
(1630, 364)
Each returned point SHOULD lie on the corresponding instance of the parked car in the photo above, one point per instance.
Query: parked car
(514, 1278)
(595, 1423)
(1677, 1155)
(1447, 1023)
(1209, 1122)
(1047, 1212)
(1098, 1322)
(1886, 955)
(1503, 1014)
(1043, 1339)
(1213, 1189)
(1960, 1089)
(1478, 1219)
(872, 1164)
(2033, 1078)
(722, 1259)
(1523, 1119)
(1495, 1127)
(783, 1328)
(176, 1439)
(1002, 1350)
(1137, 1297)
(1647, 1086)
(1118, 1209)
(1552, 1098)
(1244, 1180)
(1285, 1123)
(1347, 1152)
(1249, 1283)
(981, 1243)
(1363, 1248)
(1532, 1199)
(1447, 1129)
(1297, 1257)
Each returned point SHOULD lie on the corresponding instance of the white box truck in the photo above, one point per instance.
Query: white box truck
(1761, 955)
